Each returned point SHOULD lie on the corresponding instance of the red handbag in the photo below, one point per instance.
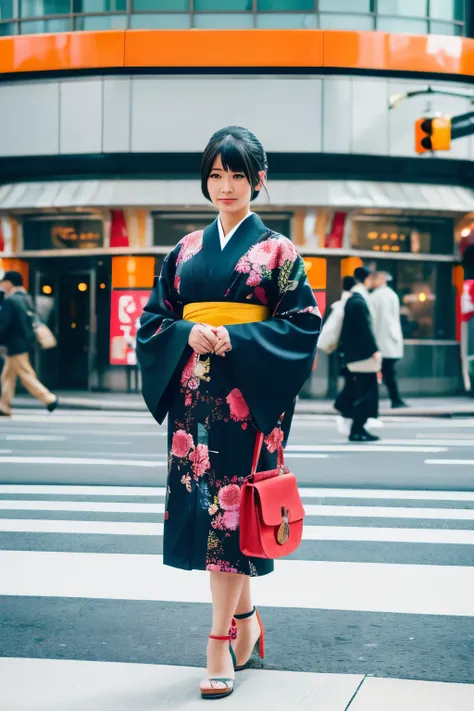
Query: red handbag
(271, 512)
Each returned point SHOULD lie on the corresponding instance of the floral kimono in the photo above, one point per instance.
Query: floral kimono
(215, 404)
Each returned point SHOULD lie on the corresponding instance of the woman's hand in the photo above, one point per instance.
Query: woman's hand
(223, 341)
(202, 339)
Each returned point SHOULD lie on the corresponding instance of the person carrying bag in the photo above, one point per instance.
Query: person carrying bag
(18, 333)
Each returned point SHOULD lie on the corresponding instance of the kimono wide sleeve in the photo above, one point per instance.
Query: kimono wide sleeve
(162, 341)
(270, 360)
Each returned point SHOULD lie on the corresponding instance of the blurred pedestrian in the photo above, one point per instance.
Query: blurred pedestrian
(345, 399)
(17, 317)
(227, 340)
(361, 355)
(388, 333)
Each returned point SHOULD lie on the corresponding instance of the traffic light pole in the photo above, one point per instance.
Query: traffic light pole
(462, 125)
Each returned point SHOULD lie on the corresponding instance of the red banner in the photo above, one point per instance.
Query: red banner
(126, 309)
(467, 300)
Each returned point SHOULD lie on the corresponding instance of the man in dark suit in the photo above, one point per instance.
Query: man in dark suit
(361, 356)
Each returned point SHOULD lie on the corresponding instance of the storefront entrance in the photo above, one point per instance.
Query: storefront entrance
(65, 300)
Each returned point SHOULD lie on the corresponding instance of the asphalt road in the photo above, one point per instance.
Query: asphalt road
(381, 585)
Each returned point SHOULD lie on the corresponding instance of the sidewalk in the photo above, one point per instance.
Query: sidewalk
(454, 406)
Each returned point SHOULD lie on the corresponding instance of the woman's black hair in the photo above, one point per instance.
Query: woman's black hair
(240, 151)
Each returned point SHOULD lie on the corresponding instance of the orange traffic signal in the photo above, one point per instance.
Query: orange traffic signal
(433, 134)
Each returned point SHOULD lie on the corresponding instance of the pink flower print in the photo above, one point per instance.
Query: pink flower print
(264, 254)
(243, 265)
(193, 383)
(231, 520)
(218, 523)
(158, 329)
(213, 508)
(181, 444)
(286, 251)
(220, 568)
(239, 410)
(188, 400)
(254, 279)
(274, 439)
(190, 245)
(200, 460)
(229, 497)
(177, 283)
(186, 480)
(167, 515)
(188, 370)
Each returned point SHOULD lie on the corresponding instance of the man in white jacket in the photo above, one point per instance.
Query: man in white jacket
(388, 333)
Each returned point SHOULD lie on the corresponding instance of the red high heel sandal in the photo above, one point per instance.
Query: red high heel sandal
(219, 687)
(259, 644)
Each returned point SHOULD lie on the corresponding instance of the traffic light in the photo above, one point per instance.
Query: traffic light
(433, 134)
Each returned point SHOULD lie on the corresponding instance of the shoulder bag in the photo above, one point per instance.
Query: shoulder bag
(271, 512)
(44, 336)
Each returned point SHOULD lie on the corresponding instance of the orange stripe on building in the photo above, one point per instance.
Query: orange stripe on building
(250, 48)
(62, 51)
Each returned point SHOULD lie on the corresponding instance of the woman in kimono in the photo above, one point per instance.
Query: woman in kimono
(226, 342)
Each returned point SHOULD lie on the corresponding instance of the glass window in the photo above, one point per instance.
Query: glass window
(447, 9)
(219, 6)
(383, 234)
(104, 22)
(100, 6)
(395, 24)
(8, 28)
(35, 27)
(40, 8)
(288, 20)
(405, 8)
(283, 5)
(346, 22)
(224, 21)
(426, 294)
(446, 28)
(6, 9)
(161, 21)
(445, 309)
(161, 5)
(169, 228)
(416, 288)
(348, 6)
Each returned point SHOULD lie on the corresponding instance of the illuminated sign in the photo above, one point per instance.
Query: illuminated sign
(70, 233)
(126, 310)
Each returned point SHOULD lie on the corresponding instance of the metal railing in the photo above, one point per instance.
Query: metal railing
(312, 18)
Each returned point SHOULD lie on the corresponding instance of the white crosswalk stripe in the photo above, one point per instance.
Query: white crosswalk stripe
(52, 540)
(61, 513)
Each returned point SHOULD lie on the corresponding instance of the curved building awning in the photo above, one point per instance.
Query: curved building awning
(187, 193)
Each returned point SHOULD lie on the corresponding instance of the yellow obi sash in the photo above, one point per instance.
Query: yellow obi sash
(224, 313)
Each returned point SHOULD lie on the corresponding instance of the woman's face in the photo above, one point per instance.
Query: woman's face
(230, 192)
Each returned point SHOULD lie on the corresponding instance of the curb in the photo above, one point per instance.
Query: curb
(101, 406)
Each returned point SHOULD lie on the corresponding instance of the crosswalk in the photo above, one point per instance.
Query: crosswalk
(91, 617)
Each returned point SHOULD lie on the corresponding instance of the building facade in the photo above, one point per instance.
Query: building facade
(101, 133)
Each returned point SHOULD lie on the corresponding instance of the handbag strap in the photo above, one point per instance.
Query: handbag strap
(258, 449)
(256, 453)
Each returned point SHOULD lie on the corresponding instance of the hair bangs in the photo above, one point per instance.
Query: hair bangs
(235, 159)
